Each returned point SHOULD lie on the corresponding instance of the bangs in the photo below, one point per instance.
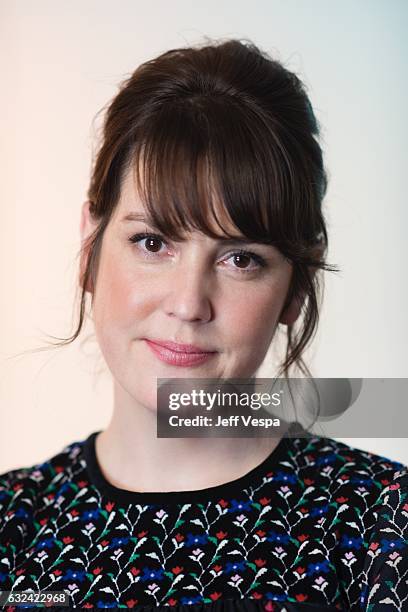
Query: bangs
(203, 163)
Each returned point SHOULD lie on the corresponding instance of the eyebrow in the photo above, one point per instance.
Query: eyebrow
(135, 216)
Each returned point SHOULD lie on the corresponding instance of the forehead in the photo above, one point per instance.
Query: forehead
(130, 206)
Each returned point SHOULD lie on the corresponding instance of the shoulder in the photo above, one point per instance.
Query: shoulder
(353, 480)
(333, 461)
(348, 478)
(22, 489)
(384, 577)
(366, 497)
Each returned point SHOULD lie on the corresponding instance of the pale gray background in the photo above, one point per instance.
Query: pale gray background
(62, 61)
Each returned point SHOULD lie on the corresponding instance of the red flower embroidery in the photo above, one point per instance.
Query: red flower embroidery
(301, 597)
(215, 596)
(131, 602)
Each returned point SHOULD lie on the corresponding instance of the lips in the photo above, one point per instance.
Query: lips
(179, 354)
(180, 348)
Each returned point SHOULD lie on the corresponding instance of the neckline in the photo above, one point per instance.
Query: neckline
(232, 488)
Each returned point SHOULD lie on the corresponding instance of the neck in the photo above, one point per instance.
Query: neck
(133, 458)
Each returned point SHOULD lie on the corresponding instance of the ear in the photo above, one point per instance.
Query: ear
(86, 227)
(292, 311)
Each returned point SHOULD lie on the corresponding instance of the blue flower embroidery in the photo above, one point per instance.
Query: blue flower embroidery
(22, 513)
(74, 575)
(317, 568)
(235, 567)
(193, 540)
(118, 542)
(330, 458)
(319, 511)
(282, 477)
(361, 481)
(239, 506)
(275, 597)
(48, 543)
(392, 544)
(350, 542)
(150, 574)
(191, 600)
(90, 514)
(282, 538)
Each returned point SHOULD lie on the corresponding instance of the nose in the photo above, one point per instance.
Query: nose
(188, 293)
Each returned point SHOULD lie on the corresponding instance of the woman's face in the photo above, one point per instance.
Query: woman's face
(197, 292)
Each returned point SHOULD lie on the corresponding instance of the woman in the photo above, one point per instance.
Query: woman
(202, 236)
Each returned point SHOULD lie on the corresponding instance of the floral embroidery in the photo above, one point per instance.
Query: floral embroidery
(322, 524)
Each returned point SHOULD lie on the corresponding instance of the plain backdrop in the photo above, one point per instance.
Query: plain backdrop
(61, 62)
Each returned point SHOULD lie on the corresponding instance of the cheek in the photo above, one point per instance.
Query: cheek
(251, 314)
(122, 299)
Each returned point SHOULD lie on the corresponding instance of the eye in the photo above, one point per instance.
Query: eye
(242, 260)
(152, 244)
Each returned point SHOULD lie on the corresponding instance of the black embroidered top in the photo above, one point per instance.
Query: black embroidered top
(318, 525)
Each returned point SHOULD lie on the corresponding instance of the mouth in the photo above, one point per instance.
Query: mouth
(176, 347)
(177, 354)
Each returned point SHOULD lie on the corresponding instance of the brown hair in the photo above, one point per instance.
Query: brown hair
(222, 118)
